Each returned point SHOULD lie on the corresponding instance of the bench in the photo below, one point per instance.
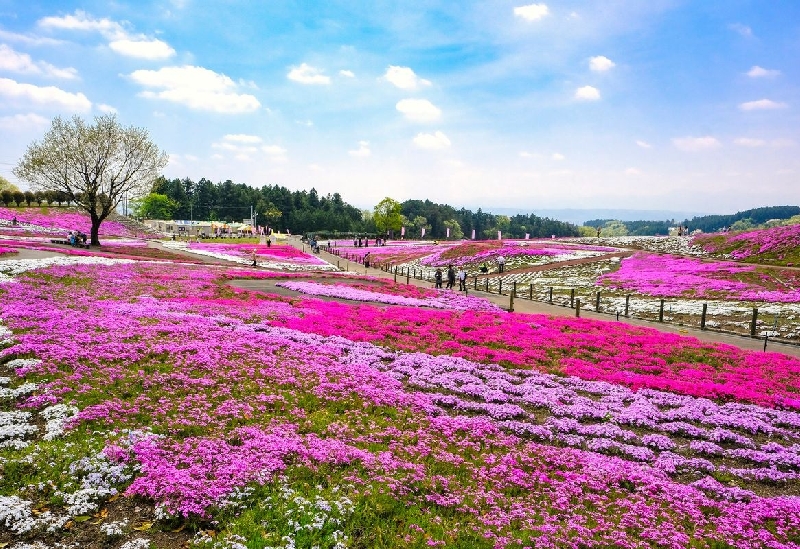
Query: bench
(66, 243)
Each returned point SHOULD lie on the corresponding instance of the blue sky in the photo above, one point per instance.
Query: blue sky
(657, 104)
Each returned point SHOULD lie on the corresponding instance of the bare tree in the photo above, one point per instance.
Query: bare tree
(95, 166)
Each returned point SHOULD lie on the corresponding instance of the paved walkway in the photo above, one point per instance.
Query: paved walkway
(522, 305)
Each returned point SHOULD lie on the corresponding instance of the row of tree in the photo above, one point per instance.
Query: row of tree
(743, 220)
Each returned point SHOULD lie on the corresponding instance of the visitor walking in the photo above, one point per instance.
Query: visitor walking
(461, 275)
(438, 277)
(451, 277)
(501, 264)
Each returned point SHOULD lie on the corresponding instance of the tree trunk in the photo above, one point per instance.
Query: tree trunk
(95, 240)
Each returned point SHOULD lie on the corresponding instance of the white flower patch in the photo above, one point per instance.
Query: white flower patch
(14, 267)
(56, 416)
(16, 515)
(114, 529)
(660, 244)
(22, 363)
(14, 427)
(13, 394)
(6, 336)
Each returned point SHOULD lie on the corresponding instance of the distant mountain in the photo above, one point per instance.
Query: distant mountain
(580, 216)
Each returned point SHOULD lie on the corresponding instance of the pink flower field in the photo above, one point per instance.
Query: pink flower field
(669, 276)
(245, 419)
(778, 244)
(57, 222)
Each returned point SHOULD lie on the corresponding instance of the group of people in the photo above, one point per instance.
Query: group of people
(76, 238)
(358, 242)
(452, 276)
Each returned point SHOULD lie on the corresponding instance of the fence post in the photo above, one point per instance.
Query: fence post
(514, 288)
(597, 303)
(408, 277)
(753, 322)
(395, 275)
(661, 312)
(500, 286)
(578, 307)
(551, 294)
(627, 302)
(511, 303)
(703, 317)
(487, 285)
(476, 283)
(572, 298)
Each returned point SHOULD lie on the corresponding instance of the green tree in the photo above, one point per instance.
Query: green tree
(156, 206)
(6, 185)
(386, 216)
(455, 229)
(94, 165)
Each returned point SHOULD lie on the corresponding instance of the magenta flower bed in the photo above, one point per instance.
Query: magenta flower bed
(65, 221)
(7, 251)
(277, 252)
(669, 276)
(744, 245)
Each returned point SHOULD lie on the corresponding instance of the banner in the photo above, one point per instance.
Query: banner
(448, 232)
(527, 236)
(473, 234)
(402, 231)
(423, 232)
(499, 235)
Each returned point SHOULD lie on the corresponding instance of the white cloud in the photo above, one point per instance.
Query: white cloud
(633, 171)
(142, 49)
(14, 61)
(306, 74)
(587, 93)
(102, 107)
(274, 150)
(81, 21)
(242, 138)
(191, 157)
(30, 40)
(749, 142)
(419, 110)
(217, 156)
(196, 87)
(306, 123)
(47, 96)
(754, 142)
(404, 78)
(601, 63)
(558, 156)
(743, 30)
(694, 144)
(759, 72)
(348, 74)
(531, 12)
(432, 141)
(119, 39)
(526, 154)
(23, 122)
(362, 151)
(644, 144)
(762, 104)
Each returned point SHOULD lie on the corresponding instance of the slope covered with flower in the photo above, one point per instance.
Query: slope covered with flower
(268, 421)
(777, 245)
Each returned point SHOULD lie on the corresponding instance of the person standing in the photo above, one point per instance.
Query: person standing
(451, 277)
(501, 264)
(461, 275)
(438, 277)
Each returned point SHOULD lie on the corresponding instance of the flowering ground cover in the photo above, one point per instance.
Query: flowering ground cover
(249, 420)
(58, 221)
(669, 276)
(278, 256)
(778, 245)
(7, 251)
